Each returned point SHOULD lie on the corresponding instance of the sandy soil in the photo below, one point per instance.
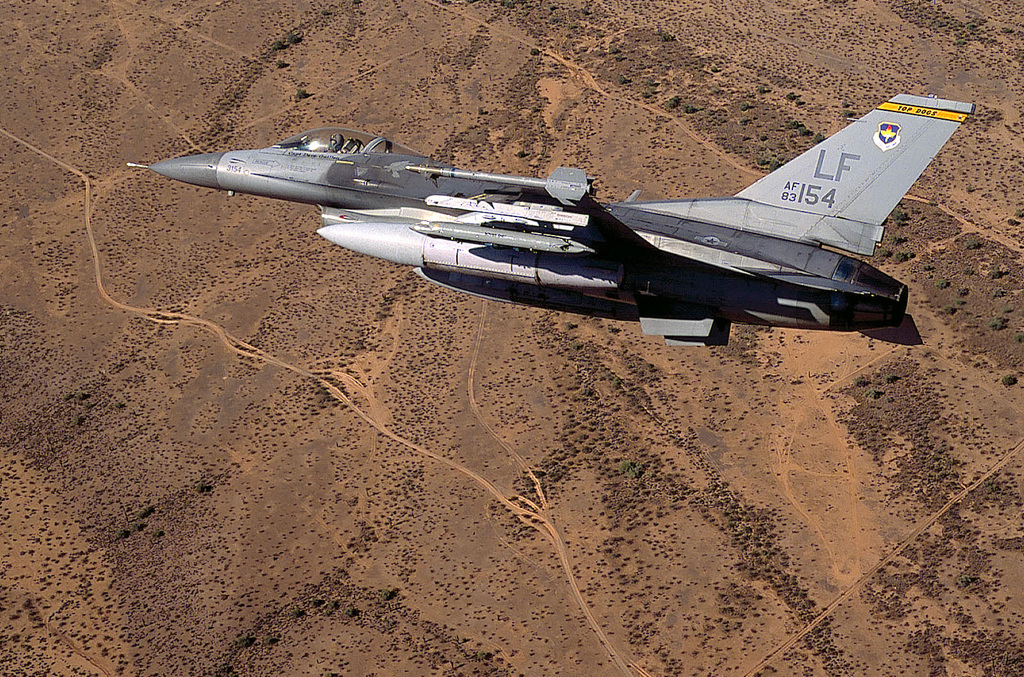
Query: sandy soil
(229, 447)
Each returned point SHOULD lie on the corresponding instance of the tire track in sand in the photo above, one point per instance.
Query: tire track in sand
(539, 509)
(589, 80)
(903, 545)
(781, 446)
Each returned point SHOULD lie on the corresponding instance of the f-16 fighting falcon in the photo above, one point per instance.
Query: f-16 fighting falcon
(685, 269)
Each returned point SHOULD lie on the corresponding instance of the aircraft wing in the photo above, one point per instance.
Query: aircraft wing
(562, 204)
(613, 231)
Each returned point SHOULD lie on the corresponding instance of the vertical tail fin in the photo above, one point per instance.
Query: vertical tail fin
(854, 179)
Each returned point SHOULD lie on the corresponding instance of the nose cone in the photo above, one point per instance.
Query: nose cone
(199, 170)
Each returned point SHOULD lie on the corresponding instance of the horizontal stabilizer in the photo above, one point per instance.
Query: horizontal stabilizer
(683, 324)
(718, 336)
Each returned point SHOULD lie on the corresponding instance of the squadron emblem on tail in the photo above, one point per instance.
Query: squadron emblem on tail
(888, 136)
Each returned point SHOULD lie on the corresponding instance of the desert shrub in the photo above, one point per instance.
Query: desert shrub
(632, 469)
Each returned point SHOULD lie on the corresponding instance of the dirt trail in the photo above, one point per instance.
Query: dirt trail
(104, 665)
(524, 467)
(338, 83)
(368, 384)
(819, 394)
(809, 410)
(970, 227)
(118, 72)
(589, 80)
(26, 528)
(539, 509)
(910, 538)
(781, 447)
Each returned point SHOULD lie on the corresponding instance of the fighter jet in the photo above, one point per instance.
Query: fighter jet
(684, 269)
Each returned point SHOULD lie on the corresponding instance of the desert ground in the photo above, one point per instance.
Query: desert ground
(231, 448)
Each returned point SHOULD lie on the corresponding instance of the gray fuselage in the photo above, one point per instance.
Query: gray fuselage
(677, 270)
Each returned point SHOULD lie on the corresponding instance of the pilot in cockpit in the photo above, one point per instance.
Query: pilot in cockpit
(337, 141)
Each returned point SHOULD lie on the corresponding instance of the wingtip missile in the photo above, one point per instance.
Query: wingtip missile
(566, 184)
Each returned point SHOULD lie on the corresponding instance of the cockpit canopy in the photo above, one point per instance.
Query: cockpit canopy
(343, 141)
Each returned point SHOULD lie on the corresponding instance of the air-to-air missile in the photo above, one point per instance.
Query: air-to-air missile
(685, 269)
